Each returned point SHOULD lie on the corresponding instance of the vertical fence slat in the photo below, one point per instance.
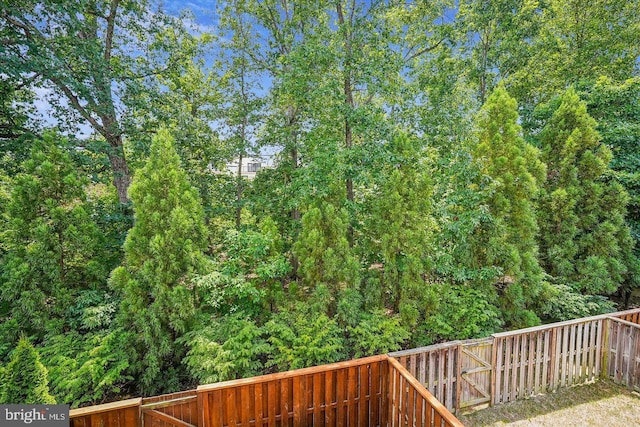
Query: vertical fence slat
(352, 395)
(432, 373)
(524, 340)
(578, 359)
(363, 392)
(450, 375)
(507, 369)
(329, 411)
(378, 403)
(514, 368)
(539, 362)
(496, 359)
(594, 349)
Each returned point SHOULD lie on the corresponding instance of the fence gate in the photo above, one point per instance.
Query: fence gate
(474, 375)
(171, 410)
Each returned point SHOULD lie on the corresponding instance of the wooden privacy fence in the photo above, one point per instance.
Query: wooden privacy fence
(522, 363)
(122, 413)
(171, 410)
(419, 388)
(541, 359)
(352, 393)
(410, 404)
(622, 346)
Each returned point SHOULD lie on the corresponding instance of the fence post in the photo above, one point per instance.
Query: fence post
(456, 404)
(494, 367)
(551, 380)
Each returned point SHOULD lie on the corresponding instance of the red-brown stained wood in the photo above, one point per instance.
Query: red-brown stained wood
(230, 414)
(437, 419)
(352, 395)
(406, 379)
(395, 398)
(298, 403)
(273, 408)
(330, 410)
(318, 398)
(379, 392)
(258, 403)
(285, 403)
(369, 392)
(341, 395)
(364, 375)
(411, 401)
(419, 411)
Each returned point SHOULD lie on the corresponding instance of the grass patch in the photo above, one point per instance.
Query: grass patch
(597, 404)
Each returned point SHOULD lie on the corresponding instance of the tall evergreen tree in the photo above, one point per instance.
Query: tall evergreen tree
(323, 250)
(401, 226)
(616, 108)
(52, 244)
(25, 378)
(516, 172)
(584, 240)
(162, 250)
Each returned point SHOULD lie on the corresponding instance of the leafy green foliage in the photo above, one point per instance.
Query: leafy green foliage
(303, 337)
(24, 379)
(615, 107)
(228, 294)
(564, 303)
(459, 312)
(88, 368)
(162, 250)
(376, 333)
(228, 348)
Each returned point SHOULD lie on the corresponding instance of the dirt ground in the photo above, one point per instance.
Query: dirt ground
(600, 404)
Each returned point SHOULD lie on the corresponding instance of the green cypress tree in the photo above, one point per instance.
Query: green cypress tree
(162, 250)
(25, 378)
(53, 247)
(401, 226)
(323, 252)
(516, 172)
(584, 240)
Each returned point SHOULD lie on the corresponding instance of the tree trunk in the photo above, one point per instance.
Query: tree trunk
(239, 192)
(350, 104)
(119, 168)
